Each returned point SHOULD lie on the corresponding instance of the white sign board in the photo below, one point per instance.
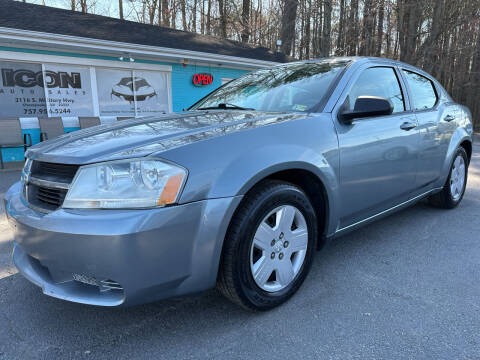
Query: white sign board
(36, 90)
(69, 90)
(115, 92)
(21, 90)
(151, 92)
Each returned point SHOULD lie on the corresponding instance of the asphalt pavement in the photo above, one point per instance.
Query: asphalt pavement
(405, 287)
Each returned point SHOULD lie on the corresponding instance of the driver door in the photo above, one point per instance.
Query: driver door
(378, 155)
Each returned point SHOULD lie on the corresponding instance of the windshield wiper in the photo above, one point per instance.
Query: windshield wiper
(225, 106)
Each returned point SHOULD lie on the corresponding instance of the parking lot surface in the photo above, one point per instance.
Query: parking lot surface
(405, 287)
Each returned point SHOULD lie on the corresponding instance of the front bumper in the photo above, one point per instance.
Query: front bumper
(149, 254)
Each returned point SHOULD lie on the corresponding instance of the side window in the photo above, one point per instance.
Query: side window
(378, 81)
(422, 91)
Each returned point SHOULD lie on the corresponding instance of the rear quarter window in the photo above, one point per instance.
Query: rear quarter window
(422, 90)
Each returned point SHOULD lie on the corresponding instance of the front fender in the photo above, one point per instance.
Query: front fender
(267, 162)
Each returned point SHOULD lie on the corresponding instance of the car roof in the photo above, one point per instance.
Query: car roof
(366, 59)
(355, 59)
(359, 60)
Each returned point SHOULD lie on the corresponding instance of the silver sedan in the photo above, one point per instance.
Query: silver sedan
(240, 190)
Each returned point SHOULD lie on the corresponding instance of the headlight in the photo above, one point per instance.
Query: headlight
(126, 184)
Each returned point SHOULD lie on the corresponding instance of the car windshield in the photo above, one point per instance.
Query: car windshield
(290, 87)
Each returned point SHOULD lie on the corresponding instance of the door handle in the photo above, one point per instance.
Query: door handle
(407, 125)
(449, 118)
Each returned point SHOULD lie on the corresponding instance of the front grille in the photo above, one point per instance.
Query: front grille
(63, 173)
(48, 184)
(48, 198)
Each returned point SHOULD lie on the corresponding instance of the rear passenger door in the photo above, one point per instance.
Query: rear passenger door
(435, 125)
(378, 155)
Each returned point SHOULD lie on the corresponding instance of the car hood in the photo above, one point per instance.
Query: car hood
(144, 136)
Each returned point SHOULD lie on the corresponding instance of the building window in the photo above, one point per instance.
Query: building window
(68, 90)
(21, 91)
(132, 93)
(51, 89)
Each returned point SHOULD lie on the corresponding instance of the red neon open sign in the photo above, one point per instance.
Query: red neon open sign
(202, 79)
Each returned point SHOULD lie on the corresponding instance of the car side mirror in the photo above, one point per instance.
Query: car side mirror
(367, 106)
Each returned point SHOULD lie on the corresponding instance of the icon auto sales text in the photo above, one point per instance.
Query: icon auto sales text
(29, 78)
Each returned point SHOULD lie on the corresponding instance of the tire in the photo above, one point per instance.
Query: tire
(246, 252)
(450, 196)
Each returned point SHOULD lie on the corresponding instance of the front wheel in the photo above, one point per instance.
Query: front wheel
(269, 246)
(454, 188)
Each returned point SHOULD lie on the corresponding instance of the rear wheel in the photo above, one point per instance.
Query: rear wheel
(269, 246)
(454, 188)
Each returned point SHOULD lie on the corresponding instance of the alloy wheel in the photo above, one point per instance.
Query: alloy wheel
(457, 178)
(278, 248)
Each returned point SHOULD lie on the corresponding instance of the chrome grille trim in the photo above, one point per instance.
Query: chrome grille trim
(48, 183)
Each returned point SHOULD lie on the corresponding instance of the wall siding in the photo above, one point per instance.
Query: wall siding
(184, 93)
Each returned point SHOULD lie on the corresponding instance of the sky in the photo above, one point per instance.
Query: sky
(101, 7)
